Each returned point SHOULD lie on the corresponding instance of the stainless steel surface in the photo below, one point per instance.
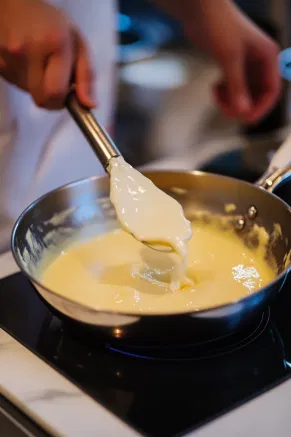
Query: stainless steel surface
(273, 178)
(101, 143)
(87, 202)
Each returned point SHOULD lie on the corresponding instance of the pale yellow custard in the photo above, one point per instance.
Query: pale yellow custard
(115, 272)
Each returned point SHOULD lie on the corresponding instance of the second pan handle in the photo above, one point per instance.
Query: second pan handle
(101, 143)
(279, 168)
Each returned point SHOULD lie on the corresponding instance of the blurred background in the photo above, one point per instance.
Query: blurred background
(165, 114)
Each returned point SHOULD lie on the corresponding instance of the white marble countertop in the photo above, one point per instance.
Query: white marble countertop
(64, 410)
(47, 397)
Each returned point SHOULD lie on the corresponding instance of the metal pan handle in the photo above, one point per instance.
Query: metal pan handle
(279, 168)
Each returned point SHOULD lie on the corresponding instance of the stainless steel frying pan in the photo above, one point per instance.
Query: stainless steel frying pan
(84, 205)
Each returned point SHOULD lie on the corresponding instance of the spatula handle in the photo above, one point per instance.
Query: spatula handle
(101, 143)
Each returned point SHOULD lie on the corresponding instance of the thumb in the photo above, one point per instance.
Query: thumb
(239, 99)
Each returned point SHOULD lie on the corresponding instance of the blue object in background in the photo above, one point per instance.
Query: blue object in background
(285, 64)
(124, 22)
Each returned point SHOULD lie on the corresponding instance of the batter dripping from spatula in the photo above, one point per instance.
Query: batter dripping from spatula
(149, 214)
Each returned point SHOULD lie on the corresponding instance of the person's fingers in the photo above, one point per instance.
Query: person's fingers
(50, 66)
(84, 75)
(35, 78)
(239, 99)
(57, 80)
(267, 87)
(13, 65)
(262, 106)
(57, 75)
(221, 97)
(13, 59)
(14, 70)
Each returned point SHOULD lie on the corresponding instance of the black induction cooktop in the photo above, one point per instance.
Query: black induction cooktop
(164, 393)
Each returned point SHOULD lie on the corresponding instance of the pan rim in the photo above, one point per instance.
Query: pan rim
(281, 277)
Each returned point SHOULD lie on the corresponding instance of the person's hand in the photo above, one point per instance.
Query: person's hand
(250, 85)
(41, 51)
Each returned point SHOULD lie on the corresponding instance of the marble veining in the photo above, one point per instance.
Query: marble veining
(51, 395)
(55, 403)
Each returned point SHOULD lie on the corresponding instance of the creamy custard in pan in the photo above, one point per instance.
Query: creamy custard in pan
(115, 272)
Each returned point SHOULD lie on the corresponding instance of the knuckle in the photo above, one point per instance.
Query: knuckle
(57, 38)
(14, 44)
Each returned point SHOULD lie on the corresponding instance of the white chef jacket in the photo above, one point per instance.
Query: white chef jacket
(41, 150)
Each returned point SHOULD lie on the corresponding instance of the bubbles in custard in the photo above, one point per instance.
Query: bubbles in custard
(248, 276)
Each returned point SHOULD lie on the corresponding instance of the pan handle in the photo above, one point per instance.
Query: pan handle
(279, 168)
